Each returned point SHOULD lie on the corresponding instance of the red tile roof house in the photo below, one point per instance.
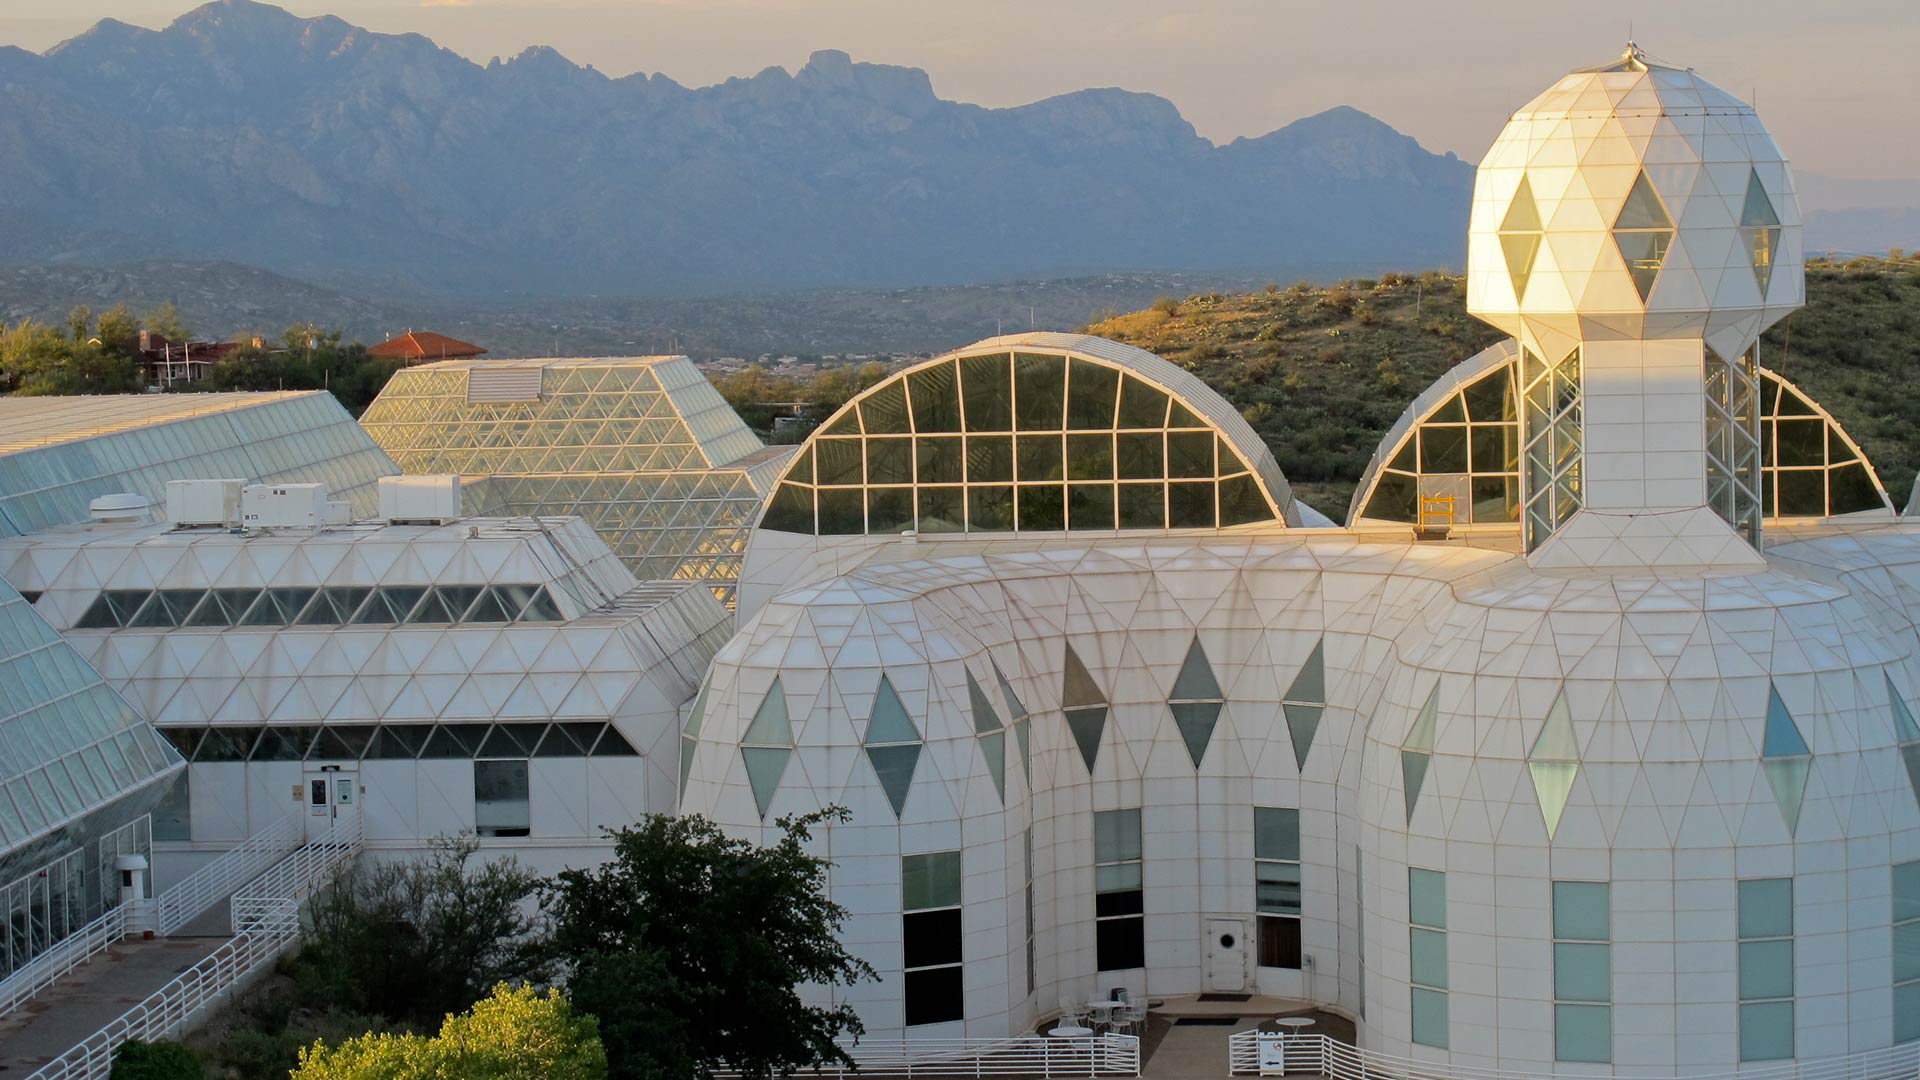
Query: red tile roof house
(424, 345)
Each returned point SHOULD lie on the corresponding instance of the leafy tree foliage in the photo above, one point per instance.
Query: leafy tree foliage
(515, 1034)
(36, 358)
(412, 941)
(690, 946)
(137, 1060)
(752, 390)
(306, 358)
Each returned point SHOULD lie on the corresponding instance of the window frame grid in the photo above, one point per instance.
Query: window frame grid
(1575, 943)
(1759, 1006)
(955, 966)
(1289, 945)
(1137, 917)
(1419, 990)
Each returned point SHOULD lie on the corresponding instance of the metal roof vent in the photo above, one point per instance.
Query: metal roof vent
(120, 509)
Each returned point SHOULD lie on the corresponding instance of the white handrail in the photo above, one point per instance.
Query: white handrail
(264, 927)
(66, 954)
(1026, 1055)
(1316, 1053)
(222, 877)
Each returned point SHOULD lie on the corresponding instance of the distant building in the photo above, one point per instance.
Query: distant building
(417, 347)
(169, 363)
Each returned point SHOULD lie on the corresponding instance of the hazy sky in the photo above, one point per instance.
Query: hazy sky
(1838, 82)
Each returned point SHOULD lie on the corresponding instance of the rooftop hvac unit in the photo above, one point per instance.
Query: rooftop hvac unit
(420, 500)
(283, 506)
(204, 502)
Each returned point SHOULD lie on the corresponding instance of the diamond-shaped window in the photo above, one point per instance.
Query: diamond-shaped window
(1520, 237)
(1785, 758)
(1643, 232)
(1759, 231)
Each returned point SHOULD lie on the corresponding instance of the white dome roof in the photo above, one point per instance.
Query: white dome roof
(1634, 200)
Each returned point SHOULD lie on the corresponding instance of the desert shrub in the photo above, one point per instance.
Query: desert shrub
(160, 1060)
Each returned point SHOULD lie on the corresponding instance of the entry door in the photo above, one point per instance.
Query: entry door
(1226, 953)
(333, 796)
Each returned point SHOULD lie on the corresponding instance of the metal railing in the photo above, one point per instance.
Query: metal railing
(1327, 1056)
(66, 954)
(264, 926)
(197, 892)
(1028, 1055)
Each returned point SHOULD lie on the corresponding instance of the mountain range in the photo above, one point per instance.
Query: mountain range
(312, 147)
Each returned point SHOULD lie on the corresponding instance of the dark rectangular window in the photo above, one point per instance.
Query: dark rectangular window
(500, 798)
(1120, 934)
(1028, 846)
(930, 937)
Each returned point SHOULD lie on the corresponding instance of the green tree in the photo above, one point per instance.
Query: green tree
(80, 323)
(118, 329)
(515, 1034)
(690, 946)
(165, 320)
(136, 1060)
(416, 940)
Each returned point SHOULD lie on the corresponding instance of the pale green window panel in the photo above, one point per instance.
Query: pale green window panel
(1766, 969)
(1427, 898)
(893, 766)
(1906, 891)
(1580, 911)
(1766, 907)
(1428, 957)
(1196, 721)
(1277, 887)
(1906, 1012)
(1430, 1017)
(1582, 972)
(993, 748)
(1766, 1031)
(1583, 1033)
(930, 881)
(765, 765)
(1118, 877)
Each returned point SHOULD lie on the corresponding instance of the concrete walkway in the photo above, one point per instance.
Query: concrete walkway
(1190, 1053)
(92, 996)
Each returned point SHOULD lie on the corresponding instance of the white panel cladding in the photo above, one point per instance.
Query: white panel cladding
(500, 385)
(217, 798)
(1645, 411)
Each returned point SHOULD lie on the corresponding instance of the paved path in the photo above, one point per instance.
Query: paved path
(1190, 1053)
(91, 996)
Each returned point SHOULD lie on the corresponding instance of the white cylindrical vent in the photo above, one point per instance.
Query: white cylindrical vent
(121, 508)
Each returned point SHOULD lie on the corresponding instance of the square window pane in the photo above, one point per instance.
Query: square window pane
(1582, 1033)
(1090, 457)
(1766, 969)
(1276, 833)
(937, 460)
(1906, 952)
(1277, 887)
(1143, 506)
(1038, 457)
(934, 996)
(1116, 835)
(1428, 964)
(930, 881)
(1580, 910)
(1041, 508)
(1766, 907)
(989, 509)
(1582, 972)
(1120, 944)
(500, 798)
(930, 937)
(942, 509)
(1429, 1017)
(1906, 1012)
(1090, 506)
(989, 459)
(1766, 1031)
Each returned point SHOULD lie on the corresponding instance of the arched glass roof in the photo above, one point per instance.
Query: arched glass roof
(1032, 433)
(1462, 436)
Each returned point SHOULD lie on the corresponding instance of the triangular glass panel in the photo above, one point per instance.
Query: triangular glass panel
(1022, 733)
(1556, 740)
(1782, 737)
(1788, 778)
(993, 747)
(1015, 710)
(1644, 253)
(1523, 214)
(1196, 720)
(984, 718)
(1196, 681)
(1087, 725)
(893, 766)
(1302, 722)
(1552, 783)
(1310, 686)
(1643, 209)
(888, 722)
(1420, 738)
(764, 766)
(1758, 209)
(686, 763)
(1520, 249)
(1904, 729)
(1413, 773)
(1910, 754)
(1078, 687)
(770, 726)
(697, 716)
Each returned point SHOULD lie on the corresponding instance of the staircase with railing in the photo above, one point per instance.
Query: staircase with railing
(165, 914)
(266, 922)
